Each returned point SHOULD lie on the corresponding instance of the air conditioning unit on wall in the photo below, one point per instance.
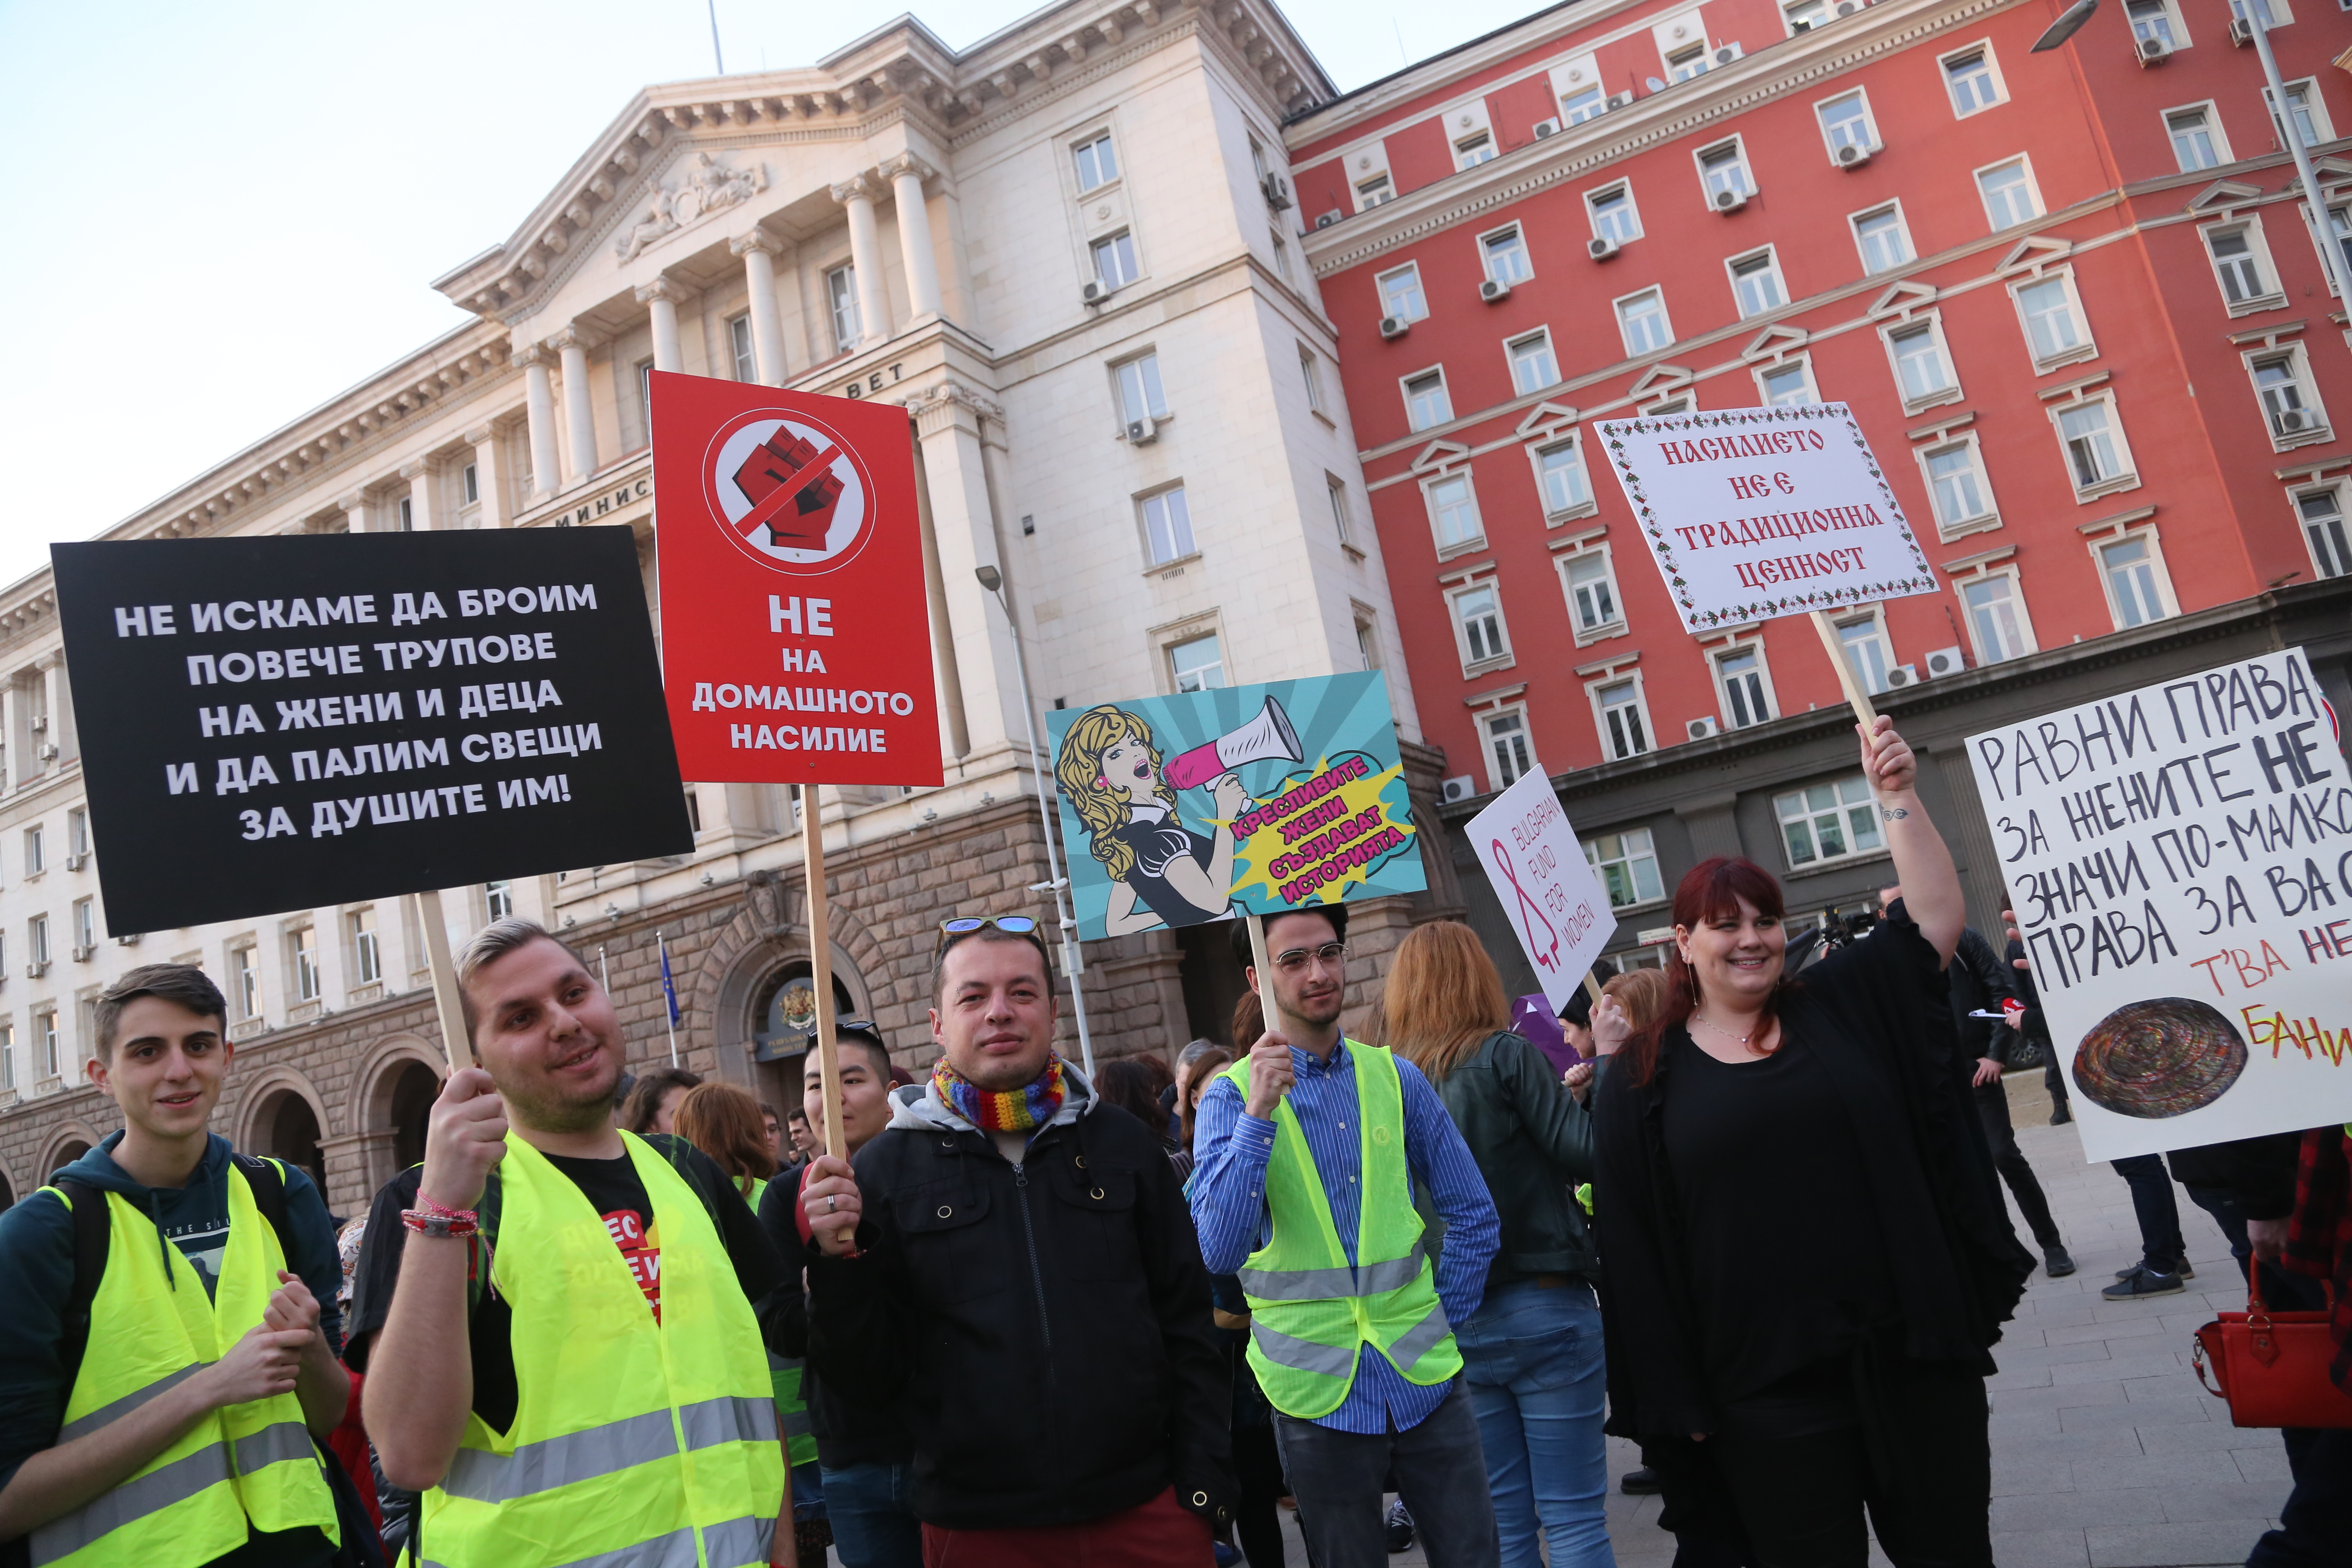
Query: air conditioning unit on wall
(1547, 127)
(1142, 432)
(1946, 661)
(1704, 729)
(1601, 248)
(1276, 191)
(2241, 32)
(2153, 51)
(1728, 200)
(1851, 155)
(1494, 290)
(1461, 786)
(1394, 326)
(1901, 676)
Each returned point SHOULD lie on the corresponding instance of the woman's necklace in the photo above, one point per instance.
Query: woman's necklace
(1740, 1040)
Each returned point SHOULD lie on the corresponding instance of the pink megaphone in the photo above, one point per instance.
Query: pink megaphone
(1262, 739)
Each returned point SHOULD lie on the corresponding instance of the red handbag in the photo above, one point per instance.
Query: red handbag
(2273, 1366)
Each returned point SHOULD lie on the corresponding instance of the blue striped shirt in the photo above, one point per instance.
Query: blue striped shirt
(1229, 1205)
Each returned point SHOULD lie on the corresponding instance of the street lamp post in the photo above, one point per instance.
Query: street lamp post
(2331, 255)
(994, 581)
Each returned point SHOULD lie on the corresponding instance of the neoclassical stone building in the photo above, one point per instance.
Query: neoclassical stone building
(1069, 252)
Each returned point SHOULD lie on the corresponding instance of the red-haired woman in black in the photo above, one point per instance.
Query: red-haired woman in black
(1806, 1255)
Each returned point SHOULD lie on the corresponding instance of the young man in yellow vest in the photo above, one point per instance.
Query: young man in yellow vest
(161, 1411)
(556, 1316)
(1307, 1153)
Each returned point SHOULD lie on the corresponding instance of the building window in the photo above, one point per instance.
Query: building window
(473, 485)
(1313, 376)
(2303, 106)
(1096, 165)
(1454, 511)
(1920, 365)
(1724, 168)
(1592, 589)
(244, 982)
(1474, 150)
(1627, 864)
(45, 1037)
(1845, 123)
(498, 901)
(1614, 216)
(2094, 454)
(367, 957)
(1828, 821)
(1684, 64)
(1970, 79)
(1884, 241)
(1371, 193)
(2238, 265)
(2286, 400)
(2322, 523)
(1666, 406)
(1196, 664)
(1786, 385)
(37, 859)
(1756, 283)
(1576, 108)
(85, 926)
(1139, 389)
(1400, 295)
(1864, 641)
(2009, 195)
(740, 348)
(1506, 256)
(1559, 473)
(77, 833)
(1956, 485)
(1337, 490)
(1281, 254)
(693, 809)
(1368, 642)
(1740, 673)
(2196, 137)
(1995, 619)
(1805, 16)
(2053, 329)
(1532, 365)
(407, 514)
(1167, 526)
(2339, 224)
(302, 959)
(2152, 20)
(1642, 319)
(2128, 565)
(1508, 748)
(1115, 261)
(1622, 733)
(7, 1054)
(1425, 402)
(1478, 615)
(848, 319)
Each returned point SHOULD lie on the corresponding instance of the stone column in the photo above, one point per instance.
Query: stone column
(758, 249)
(660, 299)
(908, 173)
(489, 474)
(865, 257)
(538, 406)
(579, 412)
(948, 428)
(355, 508)
(13, 736)
(61, 701)
(424, 509)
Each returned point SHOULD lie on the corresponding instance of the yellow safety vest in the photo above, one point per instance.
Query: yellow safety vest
(635, 1444)
(151, 1327)
(786, 1374)
(1310, 1313)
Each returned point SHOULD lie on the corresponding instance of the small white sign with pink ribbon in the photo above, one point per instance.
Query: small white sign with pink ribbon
(1546, 888)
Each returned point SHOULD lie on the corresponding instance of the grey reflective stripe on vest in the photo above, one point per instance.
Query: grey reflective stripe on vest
(796, 1424)
(273, 1445)
(1421, 1338)
(137, 1497)
(479, 1476)
(1302, 1355)
(98, 1418)
(1332, 1284)
(734, 1544)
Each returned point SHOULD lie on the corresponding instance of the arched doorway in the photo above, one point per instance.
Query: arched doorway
(783, 1021)
(414, 1090)
(68, 1152)
(286, 1127)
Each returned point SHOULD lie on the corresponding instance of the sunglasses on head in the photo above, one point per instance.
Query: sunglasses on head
(957, 926)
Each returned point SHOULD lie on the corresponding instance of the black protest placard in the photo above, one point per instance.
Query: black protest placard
(285, 722)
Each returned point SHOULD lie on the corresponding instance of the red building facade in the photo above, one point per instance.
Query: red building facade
(2075, 299)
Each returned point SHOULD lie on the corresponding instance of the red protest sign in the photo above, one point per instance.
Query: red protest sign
(795, 636)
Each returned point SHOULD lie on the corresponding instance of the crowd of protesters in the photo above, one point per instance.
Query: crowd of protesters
(1020, 1317)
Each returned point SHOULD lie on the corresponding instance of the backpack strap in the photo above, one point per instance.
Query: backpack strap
(92, 1235)
(266, 1178)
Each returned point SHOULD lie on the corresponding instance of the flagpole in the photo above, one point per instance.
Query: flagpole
(669, 999)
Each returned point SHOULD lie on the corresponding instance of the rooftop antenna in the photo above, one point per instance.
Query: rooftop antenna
(717, 57)
(1402, 58)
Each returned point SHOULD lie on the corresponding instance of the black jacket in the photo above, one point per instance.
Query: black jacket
(1979, 983)
(1044, 1329)
(848, 1431)
(1532, 1141)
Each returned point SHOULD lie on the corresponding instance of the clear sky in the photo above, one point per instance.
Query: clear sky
(229, 213)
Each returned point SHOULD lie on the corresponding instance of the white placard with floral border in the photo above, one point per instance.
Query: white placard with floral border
(1756, 512)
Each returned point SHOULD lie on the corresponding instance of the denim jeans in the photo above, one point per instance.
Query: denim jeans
(1532, 1359)
(2161, 1249)
(1339, 1476)
(874, 1523)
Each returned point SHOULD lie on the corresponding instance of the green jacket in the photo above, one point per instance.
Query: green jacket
(1533, 1143)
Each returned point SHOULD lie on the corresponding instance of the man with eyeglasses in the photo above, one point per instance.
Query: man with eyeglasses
(1010, 1264)
(1308, 1152)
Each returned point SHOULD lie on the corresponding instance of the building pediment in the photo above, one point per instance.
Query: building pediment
(1544, 416)
(2035, 250)
(1440, 455)
(2222, 195)
(1776, 341)
(1658, 379)
(1904, 296)
(706, 186)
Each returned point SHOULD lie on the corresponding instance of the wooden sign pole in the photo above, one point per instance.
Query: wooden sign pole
(1264, 967)
(820, 968)
(1592, 989)
(455, 1042)
(1855, 697)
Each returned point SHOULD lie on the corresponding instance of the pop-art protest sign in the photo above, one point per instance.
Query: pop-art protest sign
(1239, 800)
(2181, 861)
(1755, 513)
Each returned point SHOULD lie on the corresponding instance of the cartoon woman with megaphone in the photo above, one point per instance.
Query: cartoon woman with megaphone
(1160, 870)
